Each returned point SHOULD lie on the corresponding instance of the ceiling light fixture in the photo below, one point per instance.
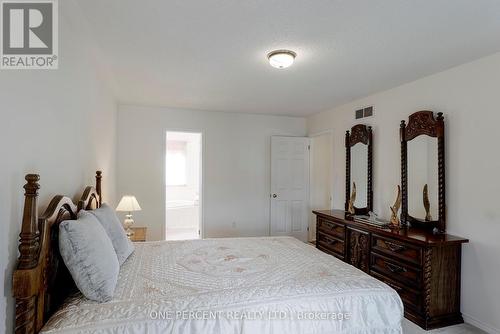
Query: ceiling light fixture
(281, 58)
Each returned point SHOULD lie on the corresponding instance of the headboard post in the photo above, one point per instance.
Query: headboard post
(41, 282)
(98, 178)
(29, 241)
(26, 272)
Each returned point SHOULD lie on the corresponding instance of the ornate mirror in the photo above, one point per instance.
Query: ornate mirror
(422, 171)
(359, 148)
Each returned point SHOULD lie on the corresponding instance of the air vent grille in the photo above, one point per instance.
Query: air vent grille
(365, 112)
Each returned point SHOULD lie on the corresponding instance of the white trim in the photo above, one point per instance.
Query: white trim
(480, 324)
(202, 181)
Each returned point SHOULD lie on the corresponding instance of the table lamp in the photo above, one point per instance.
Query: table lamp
(128, 203)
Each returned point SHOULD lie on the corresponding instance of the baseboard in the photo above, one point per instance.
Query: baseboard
(479, 324)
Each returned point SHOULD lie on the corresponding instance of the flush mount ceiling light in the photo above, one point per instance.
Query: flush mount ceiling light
(281, 58)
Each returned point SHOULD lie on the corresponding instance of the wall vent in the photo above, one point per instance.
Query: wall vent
(365, 112)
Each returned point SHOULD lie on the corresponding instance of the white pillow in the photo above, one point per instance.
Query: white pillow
(89, 255)
(121, 243)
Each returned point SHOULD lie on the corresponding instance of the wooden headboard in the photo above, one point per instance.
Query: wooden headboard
(41, 281)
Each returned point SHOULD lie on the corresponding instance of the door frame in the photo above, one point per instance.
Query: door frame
(332, 160)
(202, 176)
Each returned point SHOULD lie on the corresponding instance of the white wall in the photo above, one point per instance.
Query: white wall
(60, 124)
(469, 97)
(236, 166)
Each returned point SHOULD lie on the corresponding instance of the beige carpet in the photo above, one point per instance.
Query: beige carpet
(410, 328)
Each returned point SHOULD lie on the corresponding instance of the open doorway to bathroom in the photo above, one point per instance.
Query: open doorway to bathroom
(183, 185)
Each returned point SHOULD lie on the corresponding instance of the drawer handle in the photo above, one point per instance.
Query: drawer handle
(395, 269)
(331, 226)
(330, 241)
(395, 247)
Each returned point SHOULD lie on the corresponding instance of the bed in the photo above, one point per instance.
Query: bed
(233, 285)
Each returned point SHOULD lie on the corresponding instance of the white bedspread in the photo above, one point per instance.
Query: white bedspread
(237, 285)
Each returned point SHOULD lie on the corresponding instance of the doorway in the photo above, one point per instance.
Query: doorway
(321, 176)
(183, 166)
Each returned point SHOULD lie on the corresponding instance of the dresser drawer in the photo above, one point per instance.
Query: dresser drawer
(397, 271)
(411, 298)
(327, 226)
(330, 243)
(329, 252)
(397, 249)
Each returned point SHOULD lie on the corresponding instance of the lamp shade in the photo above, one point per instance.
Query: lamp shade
(128, 203)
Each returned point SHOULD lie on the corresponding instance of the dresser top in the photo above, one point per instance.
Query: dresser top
(412, 234)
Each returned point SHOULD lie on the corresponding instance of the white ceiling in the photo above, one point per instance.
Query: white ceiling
(211, 54)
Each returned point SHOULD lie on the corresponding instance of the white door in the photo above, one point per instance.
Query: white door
(289, 186)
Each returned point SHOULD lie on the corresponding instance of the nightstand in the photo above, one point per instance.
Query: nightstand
(139, 234)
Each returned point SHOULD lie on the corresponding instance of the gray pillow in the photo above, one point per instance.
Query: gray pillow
(121, 243)
(89, 255)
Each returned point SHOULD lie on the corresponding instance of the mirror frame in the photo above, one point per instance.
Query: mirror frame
(423, 123)
(359, 133)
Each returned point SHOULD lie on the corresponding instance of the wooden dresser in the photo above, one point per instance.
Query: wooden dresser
(422, 267)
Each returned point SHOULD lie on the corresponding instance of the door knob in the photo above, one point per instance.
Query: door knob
(274, 195)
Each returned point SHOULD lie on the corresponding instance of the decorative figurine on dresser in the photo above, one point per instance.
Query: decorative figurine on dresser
(417, 259)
